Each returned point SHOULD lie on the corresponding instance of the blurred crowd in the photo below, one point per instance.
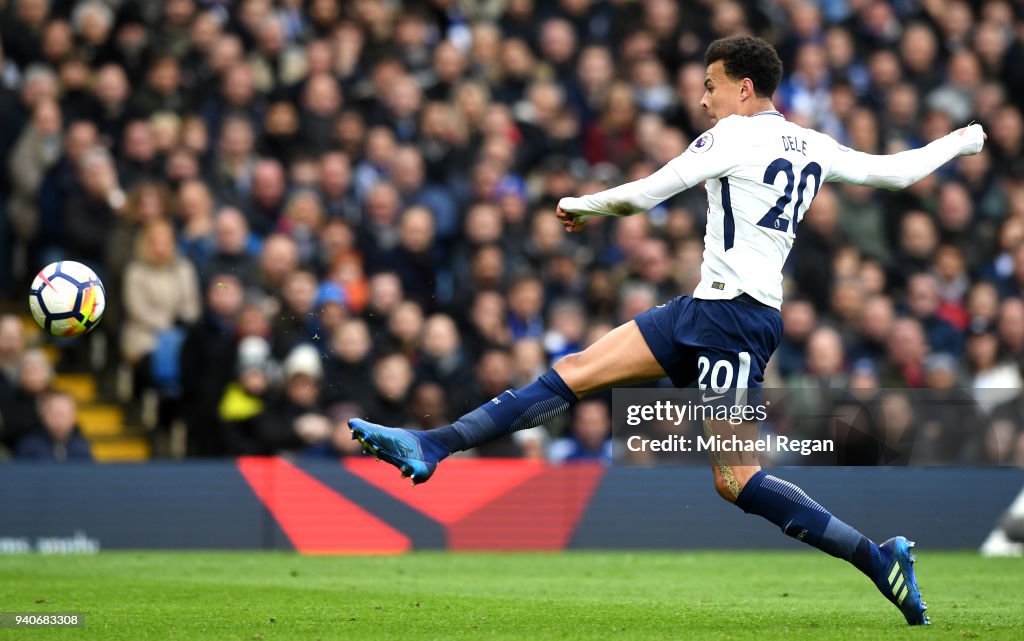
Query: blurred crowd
(306, 210)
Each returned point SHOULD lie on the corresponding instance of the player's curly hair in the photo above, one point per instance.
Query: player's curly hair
(748, 57)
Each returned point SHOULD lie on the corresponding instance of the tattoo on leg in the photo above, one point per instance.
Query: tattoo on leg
(723, 466)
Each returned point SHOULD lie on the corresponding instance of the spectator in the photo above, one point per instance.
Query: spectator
(956, 215)
(376, 162)
(595, 72)
(321, 101)
(138, 158)
(1013, 283)
(160, 293)
(57, 42)
(526, 298)
(590, 437)
(798, 321)
(1011, 328)
(59, 185)
(806, 93)
(428, 406)
(295, 419)
(385, 296)
(443, 359)
(923, 302)
(19, 407)
(982, 186)
(279, 257)
(918, 241)
(392, 381)
(410, 181)
(530, 360)
(876, 323)
(654, 266)
(919, 53)
(347, 368)
(906, 349)
(195, 212)
(12, 346)
(823, 378)
(612, 138)
(36, 151)
(112, 90)
(206, 360)
(862, 218)
(954, 96)
(819, 238)
(414, 259)
(301, 220)
(336, 187)
(636, 297)
(993, 378)
(953, 281)
(405, 329)
(146, 202)
(163, 90)
(339, 442)
(380, 224)
(949, 415)
(567, 324)
(234, 248)
(88, 215)
(486, 324)
(1008, 139)
(557, 44)
(244, 398)
(235, 178)
(296, 322)
(346, 270)
(59, 439)
(22, 33)
(331, 308)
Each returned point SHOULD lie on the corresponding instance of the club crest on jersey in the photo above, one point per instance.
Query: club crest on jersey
(703, 143)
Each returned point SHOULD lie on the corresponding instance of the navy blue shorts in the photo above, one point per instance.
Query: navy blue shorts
(717, 344)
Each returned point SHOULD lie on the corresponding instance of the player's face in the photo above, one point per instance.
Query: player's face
(721, 93)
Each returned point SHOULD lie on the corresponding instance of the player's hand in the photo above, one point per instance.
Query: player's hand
(568, 220)
(572, 222)
(974, 138)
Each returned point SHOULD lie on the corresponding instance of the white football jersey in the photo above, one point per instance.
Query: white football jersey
(761, 174)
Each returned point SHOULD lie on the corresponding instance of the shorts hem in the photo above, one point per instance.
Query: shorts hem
(657, 343)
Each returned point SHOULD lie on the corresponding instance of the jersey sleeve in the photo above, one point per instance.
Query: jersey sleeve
(898, 171)
(711, 155)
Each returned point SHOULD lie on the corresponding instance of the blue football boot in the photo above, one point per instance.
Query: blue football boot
(413, 453)
(897, 581)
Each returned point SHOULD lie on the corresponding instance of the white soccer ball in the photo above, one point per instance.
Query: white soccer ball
(67, 299)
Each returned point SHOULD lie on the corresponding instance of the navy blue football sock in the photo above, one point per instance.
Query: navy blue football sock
(800, 517)
(541, 400)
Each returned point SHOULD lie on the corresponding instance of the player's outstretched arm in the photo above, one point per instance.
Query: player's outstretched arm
(898, 171)
(625, 200)
(708, 157)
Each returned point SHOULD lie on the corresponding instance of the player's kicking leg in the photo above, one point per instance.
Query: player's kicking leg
(739, 480)
(620, 357)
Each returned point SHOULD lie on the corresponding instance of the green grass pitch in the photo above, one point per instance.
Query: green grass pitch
(582, 595)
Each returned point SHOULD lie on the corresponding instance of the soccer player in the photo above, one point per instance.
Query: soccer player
(761, 173)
